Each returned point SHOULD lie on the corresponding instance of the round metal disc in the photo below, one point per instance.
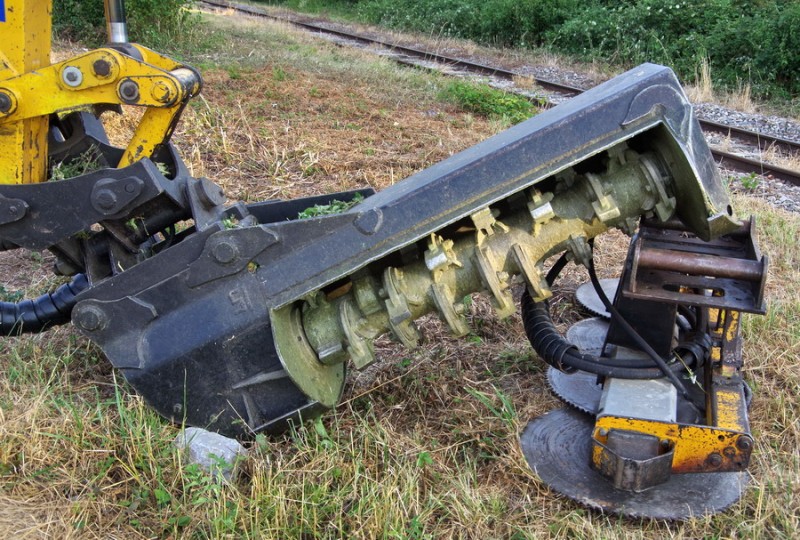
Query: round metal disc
(589, 335)
(587, 297)
(579, 389)
(557, 446)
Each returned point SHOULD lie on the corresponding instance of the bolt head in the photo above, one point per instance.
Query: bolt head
(224, 252)
(90, 318)
(714, 460)
(129, 91)
(72, 76)
(744, 443)
(106, 199)
(101, 68)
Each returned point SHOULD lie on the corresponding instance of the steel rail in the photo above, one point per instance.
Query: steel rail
(725, 159)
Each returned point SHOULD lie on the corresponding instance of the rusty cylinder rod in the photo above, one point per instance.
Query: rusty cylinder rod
(699, 264)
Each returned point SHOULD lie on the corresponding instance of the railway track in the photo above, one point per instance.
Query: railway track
(728, 160)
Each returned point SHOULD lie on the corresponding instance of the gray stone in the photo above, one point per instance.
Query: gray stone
(215, 453)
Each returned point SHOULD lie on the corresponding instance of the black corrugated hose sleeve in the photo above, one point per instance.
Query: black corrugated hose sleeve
(564, 356)
(561, 354)
(49, 309)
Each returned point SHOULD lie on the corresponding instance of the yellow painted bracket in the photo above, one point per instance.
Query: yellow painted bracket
(696, 448)
(102, 76)
(99, 76)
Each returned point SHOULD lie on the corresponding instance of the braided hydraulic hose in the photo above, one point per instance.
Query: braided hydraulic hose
(49, 309)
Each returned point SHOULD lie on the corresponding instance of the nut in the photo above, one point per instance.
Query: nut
(72, 76)
(129, 91)
(101, 68)
(106, 199)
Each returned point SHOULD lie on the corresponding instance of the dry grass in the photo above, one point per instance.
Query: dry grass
(703, 91)
(424, 444)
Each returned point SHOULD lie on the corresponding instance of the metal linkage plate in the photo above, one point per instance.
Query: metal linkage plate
(557, 447)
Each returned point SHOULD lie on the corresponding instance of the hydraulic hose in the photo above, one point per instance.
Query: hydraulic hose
(634, 335)
(49, 309)
(563, 355)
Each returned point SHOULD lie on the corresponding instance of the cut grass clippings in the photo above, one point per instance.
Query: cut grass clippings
(425, 442)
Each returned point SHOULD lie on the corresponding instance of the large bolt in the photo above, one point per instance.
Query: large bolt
(129, 91)
(714, 460)
(72, 76)
(90, 318)
(105, 199)
(224, 252)
(101, 68)
(744, 443)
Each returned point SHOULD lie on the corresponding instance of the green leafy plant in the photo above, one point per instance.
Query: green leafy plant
(86, 162)
(751, 181)
(757, 41)
(489, 102)
(156, 23)
(334, 207)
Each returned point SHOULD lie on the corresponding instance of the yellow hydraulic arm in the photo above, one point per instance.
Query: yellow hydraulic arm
(31, 89)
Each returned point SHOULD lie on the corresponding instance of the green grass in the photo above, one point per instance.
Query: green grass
(755, 44)
(334, 207)
(488, 102)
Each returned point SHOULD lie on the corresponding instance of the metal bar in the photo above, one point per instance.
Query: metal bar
(116, 24)
(762, 140)
(25, 48)
(699, 264)
(739, 163)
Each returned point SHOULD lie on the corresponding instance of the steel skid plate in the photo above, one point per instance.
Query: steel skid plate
(557, 447)
(588, 299)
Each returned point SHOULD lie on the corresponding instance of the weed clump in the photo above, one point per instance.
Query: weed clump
(488, 102)
(335, 207)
